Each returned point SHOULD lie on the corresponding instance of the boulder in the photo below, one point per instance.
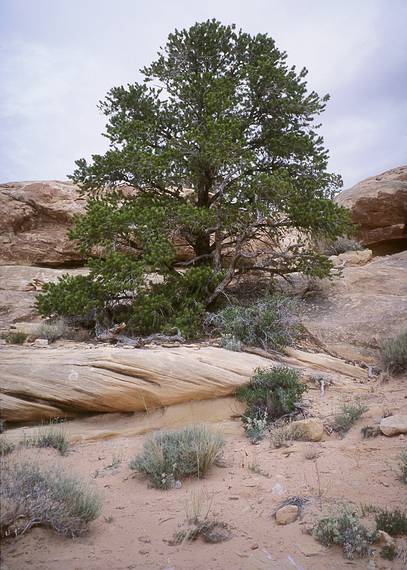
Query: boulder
(379, 207)
(394, 425)
(351, 258)
(352, 315)
(287, 514)
(311, 429)
(34, 220)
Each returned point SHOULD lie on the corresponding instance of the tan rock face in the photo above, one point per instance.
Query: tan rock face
(19, 286)
(351, 316)
(34, 220)
(394, 425)
(379, 206)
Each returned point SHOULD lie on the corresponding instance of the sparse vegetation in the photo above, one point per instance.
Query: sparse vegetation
(52, 331)
(49, 436)
(268, 323)
(170, 456)
(37, 497)
(270, 394)
(389, 552)
(403, 465)
(212, 531)
(342, 245)
(346, 530)
(349, 414)
(6, 447)
(393, 354)
(393, 522)
(16, 337)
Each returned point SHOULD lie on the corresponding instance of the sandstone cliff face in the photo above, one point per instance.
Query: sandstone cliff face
(379, 207)
(34, 220)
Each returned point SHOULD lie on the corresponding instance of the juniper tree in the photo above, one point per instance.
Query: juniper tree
(220, 143)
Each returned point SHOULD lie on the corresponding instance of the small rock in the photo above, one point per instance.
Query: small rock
(145, 539)
(311, 429)
(394, 425)
(144, 551)
(287, 514)
(384, 539)
(254, 547)
(309, 548)
(41, 342)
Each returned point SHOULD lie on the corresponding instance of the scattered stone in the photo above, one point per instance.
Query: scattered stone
(311, 429)
(287, 514)
(144, 539)
(41, 342)
(394, 425)
(384, 539)
(309, 548)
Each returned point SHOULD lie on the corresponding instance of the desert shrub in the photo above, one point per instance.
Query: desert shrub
(393, 353)
(52, 331)
(170, 456)
(6, 447)
(270, 394)
(212, 531)
(342, 245)
(348, 415)
(49, 436)
(269, 323)
(393, 522)
(403, 457)
(346, 530)
(17, 337)
(388, 552)
(39, 497)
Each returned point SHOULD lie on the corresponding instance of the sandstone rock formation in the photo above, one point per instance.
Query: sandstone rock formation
(34, 220)
(394, 425)
(379, 207)
(351, 316)
(39, 383)
(19, 286)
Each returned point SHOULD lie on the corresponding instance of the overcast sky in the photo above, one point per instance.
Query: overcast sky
(58, 58)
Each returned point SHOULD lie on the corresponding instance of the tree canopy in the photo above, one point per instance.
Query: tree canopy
(218, 148)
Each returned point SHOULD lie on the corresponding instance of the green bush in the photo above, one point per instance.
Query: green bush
(393, 522)
(393, 353)
(269, 323)
(270, 394)
(48, 498)
(170, 456)
(348, 415)
(346, 530)
(17, 337)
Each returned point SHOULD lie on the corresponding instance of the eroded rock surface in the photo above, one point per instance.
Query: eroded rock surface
(379, 207)
(352, 315)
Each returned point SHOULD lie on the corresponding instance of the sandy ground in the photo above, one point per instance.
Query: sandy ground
(138, 522)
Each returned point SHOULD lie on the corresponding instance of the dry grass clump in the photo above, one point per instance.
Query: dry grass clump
(52, 330)
(6, 447)
(393, 522)
(49, 436)
(393, 354)
(403, 457)
(170, 456)
(348, 415)
(32, 496)
(284, 435)
(342, 245)
(16, 337)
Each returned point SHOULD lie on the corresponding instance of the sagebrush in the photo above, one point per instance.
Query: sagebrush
(269, 323)
(16, 337)
(35, 496)
(170, 456)
(393, 353)
(52, 435)
(349, 413)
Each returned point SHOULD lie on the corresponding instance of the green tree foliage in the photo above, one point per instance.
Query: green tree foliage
(219, 146)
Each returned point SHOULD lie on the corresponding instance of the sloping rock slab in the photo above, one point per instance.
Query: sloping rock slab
(56, 382)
